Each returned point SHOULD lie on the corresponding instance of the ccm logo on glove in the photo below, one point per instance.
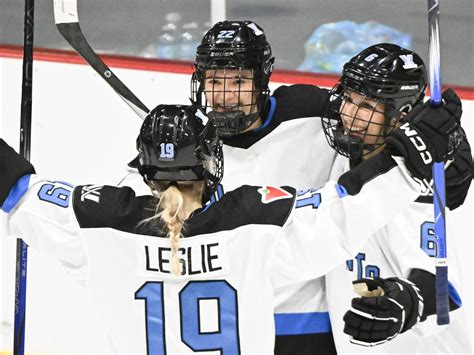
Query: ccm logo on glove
(417, 142)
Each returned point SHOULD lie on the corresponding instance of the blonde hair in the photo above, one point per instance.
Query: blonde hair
(175, 204)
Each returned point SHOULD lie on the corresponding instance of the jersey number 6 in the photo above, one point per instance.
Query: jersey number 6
(55, 192)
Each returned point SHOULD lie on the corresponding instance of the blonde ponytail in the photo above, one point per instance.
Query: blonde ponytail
(174, 206)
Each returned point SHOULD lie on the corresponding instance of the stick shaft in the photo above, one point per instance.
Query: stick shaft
(27, 80)
(439, 195)
(25, 149)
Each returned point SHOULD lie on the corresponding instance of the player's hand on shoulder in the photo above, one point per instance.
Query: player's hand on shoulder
(428, 134)
(386, 308)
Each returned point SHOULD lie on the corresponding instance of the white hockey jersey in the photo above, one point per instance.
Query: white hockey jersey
(290, 148)
(293, 150)
(407, 242)
(234, 253)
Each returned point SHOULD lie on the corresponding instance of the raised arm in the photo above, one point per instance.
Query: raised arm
(345, 214)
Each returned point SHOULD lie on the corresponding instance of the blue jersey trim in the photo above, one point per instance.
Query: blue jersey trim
(341, 191)
(302, 323)
(270, 114)
(16, 193)
(454, 295)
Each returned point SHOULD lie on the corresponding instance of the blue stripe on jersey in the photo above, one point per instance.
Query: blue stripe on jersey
(341, 191)
(16, 193)
(270, 114)
(302, 323)
(454, 295)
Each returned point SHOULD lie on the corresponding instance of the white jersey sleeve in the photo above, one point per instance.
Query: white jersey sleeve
(406, 243)
(310, 245)
(347, 214)
(45, 220)
(241, 246)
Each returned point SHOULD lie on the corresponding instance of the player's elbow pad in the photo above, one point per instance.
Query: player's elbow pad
(12, 168)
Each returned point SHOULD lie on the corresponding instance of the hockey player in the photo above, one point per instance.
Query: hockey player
(233, 66)
(275, 139)
(184, 278)
(377, 88)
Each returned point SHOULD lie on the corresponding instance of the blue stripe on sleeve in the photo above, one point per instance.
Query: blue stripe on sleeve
(16, 193)
(302, 323)
(454, 295)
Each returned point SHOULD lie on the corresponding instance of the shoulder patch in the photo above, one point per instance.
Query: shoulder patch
(244, 206)
(271, 194)
(99, 206)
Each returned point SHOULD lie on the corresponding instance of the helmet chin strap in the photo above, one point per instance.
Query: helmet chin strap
(232, 123)
(353, 146)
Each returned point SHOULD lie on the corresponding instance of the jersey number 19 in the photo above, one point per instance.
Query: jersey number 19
(225, 338)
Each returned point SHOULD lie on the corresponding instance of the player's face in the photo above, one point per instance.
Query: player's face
(363, 117)
(229, 90)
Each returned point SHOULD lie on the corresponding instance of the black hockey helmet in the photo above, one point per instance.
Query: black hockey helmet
(233, 45)
(383, 73)
(177, 144)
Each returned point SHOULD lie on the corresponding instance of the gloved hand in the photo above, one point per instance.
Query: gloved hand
(458, 176)
(428, 134)
(387, 307)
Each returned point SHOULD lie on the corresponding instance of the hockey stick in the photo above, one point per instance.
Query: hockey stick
(439, 195)
(25, 145)
(67, 22)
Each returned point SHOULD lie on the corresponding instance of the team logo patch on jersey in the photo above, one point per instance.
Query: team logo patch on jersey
(91, 192)
(270, 194)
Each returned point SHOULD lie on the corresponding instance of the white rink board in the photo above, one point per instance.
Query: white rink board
(84, 133)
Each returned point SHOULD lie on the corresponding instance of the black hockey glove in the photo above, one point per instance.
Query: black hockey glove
(387, 307)
(458, 176)
(428, 134)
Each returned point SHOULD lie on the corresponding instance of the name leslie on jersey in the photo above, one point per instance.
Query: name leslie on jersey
(195, 260)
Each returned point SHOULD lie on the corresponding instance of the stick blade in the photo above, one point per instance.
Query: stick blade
(67, 23)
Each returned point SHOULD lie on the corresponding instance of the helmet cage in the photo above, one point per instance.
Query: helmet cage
(209, 151)
(220, 81)
(231, 97)
(353, 126)
(383, 79)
